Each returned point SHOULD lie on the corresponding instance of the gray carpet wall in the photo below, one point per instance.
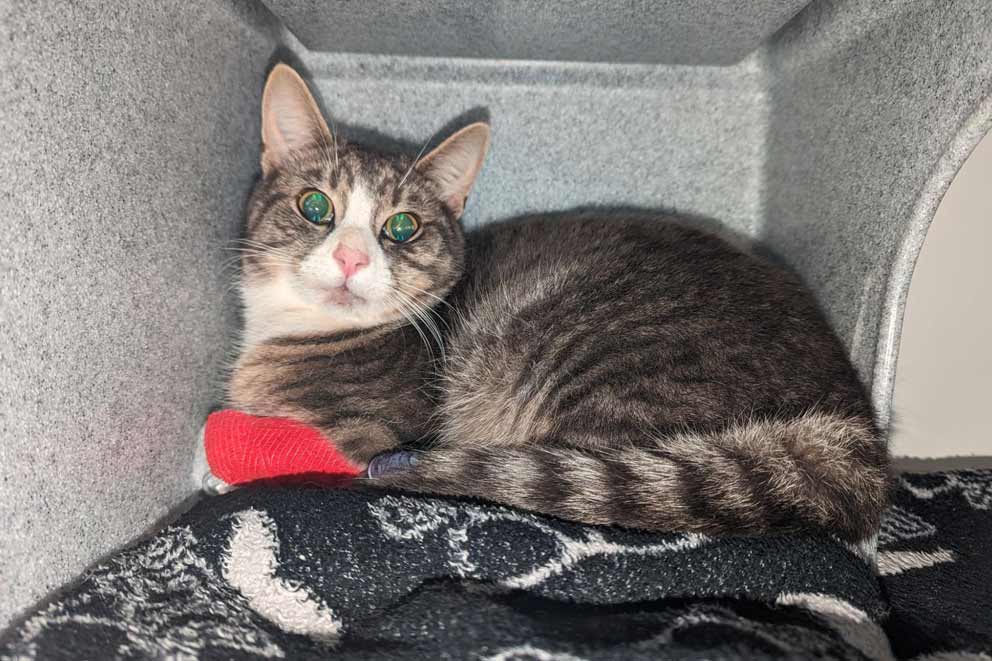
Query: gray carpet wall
(128, 145)
(568, 134)
(874, 106)
(657, 32)
(131, 135)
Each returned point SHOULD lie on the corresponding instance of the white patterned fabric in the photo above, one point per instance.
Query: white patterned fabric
(301, 573)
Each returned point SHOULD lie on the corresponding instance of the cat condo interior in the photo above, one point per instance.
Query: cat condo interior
(827, 130)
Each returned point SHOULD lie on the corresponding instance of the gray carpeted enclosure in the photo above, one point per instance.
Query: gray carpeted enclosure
(130, 138)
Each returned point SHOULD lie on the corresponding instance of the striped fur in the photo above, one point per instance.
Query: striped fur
(299, 356)
(810, 473)
(622, 370)
(369, 391)
(633, 370)
(358, 366)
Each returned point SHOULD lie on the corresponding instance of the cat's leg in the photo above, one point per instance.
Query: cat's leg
(360, 419)
(361, 439)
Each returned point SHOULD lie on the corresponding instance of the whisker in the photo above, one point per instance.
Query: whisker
(403, 310)
(334, 137)
(416, 160)
(418, 290)
(277, 259)
(431, 325)
(249, 243)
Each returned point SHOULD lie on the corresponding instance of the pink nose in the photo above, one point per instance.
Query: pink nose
(350, 260)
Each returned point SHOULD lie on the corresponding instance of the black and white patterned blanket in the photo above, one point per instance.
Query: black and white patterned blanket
(301, 573)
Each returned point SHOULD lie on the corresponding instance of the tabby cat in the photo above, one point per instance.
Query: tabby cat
(622, 371)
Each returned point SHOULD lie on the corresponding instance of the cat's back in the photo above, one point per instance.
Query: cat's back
(603, 248)
(626, 327)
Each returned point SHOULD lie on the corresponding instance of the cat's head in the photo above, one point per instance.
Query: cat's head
(340, 237)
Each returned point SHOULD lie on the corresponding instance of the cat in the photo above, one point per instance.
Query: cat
(624, 370)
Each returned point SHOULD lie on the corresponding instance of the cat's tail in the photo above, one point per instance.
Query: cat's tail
(815, 472)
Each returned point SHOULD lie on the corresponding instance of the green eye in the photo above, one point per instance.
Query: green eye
(315, 207)
(401, 226)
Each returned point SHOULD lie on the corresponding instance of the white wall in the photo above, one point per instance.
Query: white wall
(943, 392)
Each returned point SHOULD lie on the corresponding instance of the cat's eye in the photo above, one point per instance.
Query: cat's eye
(401, 227)
(315, 207)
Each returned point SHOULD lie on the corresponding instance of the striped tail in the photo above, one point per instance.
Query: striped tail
(816, 472)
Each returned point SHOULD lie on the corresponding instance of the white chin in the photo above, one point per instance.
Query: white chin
(341, 297)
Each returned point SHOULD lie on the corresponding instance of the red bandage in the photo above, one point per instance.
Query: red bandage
(243, 448)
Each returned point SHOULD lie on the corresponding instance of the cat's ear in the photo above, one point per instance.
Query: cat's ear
(291, 119)
(455, 163)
